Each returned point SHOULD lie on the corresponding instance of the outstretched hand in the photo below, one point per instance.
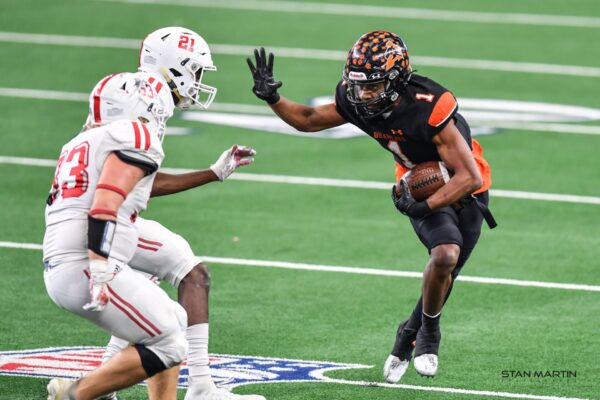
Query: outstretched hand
(265, 86)
(231, 159)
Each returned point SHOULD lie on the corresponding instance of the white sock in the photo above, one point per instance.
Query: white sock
(113, 347)
(197, 359)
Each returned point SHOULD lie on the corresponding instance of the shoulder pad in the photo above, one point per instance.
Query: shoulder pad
(443, 109)
(136, 140)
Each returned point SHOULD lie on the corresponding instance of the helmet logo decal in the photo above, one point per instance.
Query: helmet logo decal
(357, 75)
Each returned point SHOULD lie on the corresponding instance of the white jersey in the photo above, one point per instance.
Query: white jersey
(78, 171)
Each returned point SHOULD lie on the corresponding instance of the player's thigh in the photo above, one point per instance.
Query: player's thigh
(67, 284)
(471, 221)
(438, 227)
(162, 253)
(139, 311)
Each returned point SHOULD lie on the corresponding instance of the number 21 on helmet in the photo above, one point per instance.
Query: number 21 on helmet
(181, 57)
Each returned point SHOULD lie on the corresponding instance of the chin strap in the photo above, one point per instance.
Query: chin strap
(173, 86)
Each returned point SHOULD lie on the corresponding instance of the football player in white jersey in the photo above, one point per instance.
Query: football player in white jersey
(176, 59)
(103, 177)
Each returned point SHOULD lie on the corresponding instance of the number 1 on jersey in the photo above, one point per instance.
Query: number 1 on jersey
(395, 148)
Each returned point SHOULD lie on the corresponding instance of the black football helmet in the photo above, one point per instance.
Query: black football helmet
(377, 57)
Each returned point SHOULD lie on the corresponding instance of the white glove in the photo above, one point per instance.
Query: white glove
(100, 275)
(231, 159)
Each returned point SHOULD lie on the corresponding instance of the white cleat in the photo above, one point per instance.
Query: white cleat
(57, 388)
(220, 394)
(426, 365)
(394, 368)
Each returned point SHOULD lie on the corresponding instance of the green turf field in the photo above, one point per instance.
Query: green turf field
(326, 315)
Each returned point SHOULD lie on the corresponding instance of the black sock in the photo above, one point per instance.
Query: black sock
(414, 322)
(430, 323)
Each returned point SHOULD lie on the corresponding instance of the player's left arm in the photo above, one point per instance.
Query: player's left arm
(231, 159)
(165, 184)
(455, 153)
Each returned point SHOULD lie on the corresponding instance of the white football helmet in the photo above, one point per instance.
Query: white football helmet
(181, 56)
(130, 96)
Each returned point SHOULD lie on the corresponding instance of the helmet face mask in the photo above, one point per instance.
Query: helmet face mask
(197, 93)
(181, 56)
(377, 58)
(380, 96)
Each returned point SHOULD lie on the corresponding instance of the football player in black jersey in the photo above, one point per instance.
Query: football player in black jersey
(415, 119)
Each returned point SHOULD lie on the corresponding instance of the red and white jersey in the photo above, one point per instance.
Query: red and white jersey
(78, 171)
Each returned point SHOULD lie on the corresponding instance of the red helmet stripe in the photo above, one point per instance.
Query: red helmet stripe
(97, 117)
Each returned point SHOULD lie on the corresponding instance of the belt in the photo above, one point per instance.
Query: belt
(487, 214)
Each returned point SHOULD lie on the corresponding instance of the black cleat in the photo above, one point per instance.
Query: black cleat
(405, 342)
(397, 362)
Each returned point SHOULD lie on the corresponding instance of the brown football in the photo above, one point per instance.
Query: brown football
(426, 178)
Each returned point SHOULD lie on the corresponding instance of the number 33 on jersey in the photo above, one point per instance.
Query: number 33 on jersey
(81, 161)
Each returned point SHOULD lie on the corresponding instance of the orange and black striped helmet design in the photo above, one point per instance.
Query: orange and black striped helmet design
(376, 57)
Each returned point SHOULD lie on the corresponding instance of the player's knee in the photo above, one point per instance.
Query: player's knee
(172, 347)
(199, 276)
(168, 352)
(445, 256)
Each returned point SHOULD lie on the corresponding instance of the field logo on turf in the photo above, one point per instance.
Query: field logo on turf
(227, 370)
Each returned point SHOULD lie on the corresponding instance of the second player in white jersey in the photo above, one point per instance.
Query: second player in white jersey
(177, 58)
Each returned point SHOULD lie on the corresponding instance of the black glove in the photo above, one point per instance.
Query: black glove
(265, 86)
(405, 203)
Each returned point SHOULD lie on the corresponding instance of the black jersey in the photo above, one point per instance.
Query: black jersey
(407, 131)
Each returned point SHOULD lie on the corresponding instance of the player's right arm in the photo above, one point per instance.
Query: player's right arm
(302, 117)
(117, 179)
(305, 118)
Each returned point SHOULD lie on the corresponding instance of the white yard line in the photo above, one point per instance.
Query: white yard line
(478, 393)
(314, 54)
(359, 271)
(330, 182)
(383, 12)
(264, 110)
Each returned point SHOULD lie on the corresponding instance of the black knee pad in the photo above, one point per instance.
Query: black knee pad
(150, 361)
